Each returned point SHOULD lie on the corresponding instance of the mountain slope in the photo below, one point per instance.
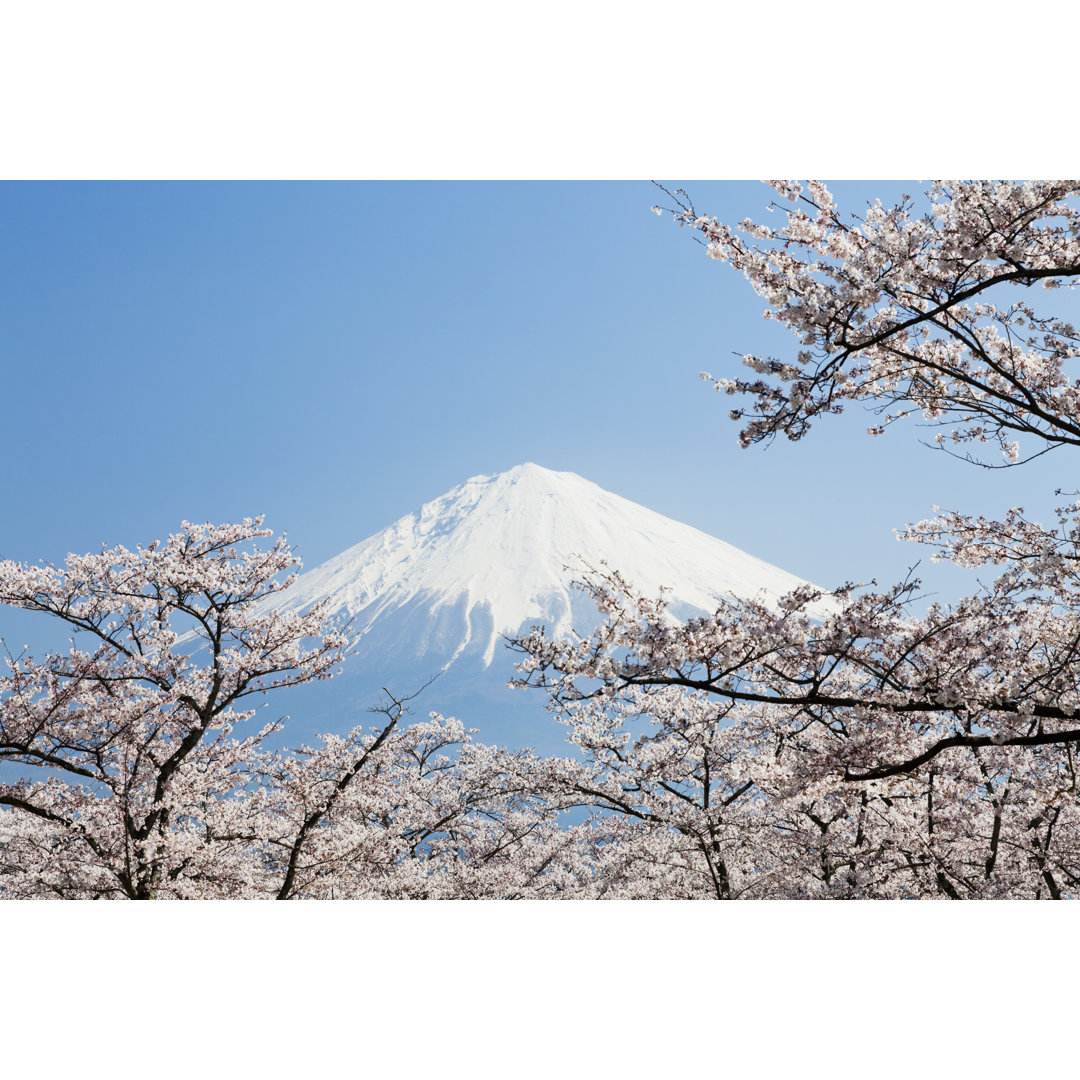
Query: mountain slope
(492, 554)
(435, 592)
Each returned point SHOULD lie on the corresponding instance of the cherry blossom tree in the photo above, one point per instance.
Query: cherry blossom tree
(915, 314)
(419, 811)
(128, 735)
(788, 756)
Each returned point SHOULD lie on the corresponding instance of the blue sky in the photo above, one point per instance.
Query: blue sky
(334, 354)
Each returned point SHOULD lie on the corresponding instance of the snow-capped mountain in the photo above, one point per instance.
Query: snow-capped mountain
(500, 552)
(435, 592)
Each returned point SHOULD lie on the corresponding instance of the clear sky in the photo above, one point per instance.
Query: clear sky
(335, 354)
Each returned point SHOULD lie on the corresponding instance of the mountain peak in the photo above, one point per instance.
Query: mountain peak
(526, 470)
(527, 479)
(492, 555)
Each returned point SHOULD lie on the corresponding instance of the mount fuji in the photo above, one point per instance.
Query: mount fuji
(437, 590)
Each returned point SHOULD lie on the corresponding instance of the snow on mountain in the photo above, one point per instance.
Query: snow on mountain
(490, 557)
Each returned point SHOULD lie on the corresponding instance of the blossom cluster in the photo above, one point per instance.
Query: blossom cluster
(924, 315)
